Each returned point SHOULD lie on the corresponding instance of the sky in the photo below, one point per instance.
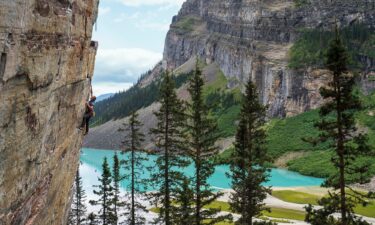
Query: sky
(131, 36)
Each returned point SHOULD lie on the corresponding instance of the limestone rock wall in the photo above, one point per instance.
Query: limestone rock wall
(46, 64)
(251, 38)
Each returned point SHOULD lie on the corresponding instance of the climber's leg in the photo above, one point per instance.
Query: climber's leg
(87, 124)
(84, 121)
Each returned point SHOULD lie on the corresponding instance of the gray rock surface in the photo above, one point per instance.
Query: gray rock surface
(47, 61)
(251, 39)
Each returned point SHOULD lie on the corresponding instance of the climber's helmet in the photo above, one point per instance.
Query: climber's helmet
(92, 99)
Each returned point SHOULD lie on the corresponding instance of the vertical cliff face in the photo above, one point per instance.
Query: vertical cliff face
(46, 64)
(252, 38)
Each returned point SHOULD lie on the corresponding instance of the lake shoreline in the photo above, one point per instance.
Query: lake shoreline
(219, 180)
(366, 187)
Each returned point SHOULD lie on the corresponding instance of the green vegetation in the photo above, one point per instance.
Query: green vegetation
(124, 103)
(170, 139)
(285, 214)
(296, 128)
(223, 157)
(296, 197)
(187, 24)
(78, 210)
(248, 163)
(224, 104)
(201, 128)
(310, 49)
(105, 193)
(226, 120)
(337, 124)
(275, 212)
(134, 167)
(223, 206)
(219, 84)
(306, 198)
(368, 211)
(317, 160)
(317, 163)
(300, 3)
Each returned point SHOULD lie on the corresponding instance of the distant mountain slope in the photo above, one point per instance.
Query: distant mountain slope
(104, 97)
(123, 103)
(223, 101)
(280, 45)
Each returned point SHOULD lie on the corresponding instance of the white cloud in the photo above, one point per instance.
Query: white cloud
(104, 10)
(124, 64)
(100, 88)
(144, 21)
(137, 3)
(125, 17)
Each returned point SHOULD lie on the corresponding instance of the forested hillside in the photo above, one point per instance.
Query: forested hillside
(291, 93)
(122, 104)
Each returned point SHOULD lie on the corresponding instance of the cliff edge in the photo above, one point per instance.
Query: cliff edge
(46, 64)
(253, 38)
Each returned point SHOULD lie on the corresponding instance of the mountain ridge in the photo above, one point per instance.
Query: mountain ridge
(262, 40)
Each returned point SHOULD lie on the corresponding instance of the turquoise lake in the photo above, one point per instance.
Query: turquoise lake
(91, 161)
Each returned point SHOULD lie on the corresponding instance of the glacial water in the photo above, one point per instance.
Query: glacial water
(91, 161)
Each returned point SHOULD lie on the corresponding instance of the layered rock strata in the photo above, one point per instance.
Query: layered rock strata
(46, 65)
(252, 38)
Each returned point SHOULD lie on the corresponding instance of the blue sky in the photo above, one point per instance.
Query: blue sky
(131, 36)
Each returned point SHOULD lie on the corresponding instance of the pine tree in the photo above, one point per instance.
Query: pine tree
(105, 193)
(169, 140)
(338, 128)
(117, 178)
(78, 210)
(249, 160)
(184, 200)
(202, 133)
(134, 168)
(91, 219)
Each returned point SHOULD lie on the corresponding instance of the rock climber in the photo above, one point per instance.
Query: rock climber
(88, 114)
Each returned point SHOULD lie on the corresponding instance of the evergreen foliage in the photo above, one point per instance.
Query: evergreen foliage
(300, 3)
(134, 169)
(117, 178)
(337, 125)
(309, 50)
(105, 193)
(249, 160)
(184, 200)
(169, 140)
(201, 147)
(91, 219)
(78, 211)
(124, 103)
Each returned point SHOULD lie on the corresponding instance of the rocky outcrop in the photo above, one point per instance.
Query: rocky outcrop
(46, 64)
(251, 38)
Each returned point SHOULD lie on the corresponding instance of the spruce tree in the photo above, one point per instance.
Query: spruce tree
(338, 128)
(78, 210)
(184, 200)
(202, 134)
(105, 193)
(248, 163)
(91, 219)
(169, 140)
(117, 178)
(134, 169)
